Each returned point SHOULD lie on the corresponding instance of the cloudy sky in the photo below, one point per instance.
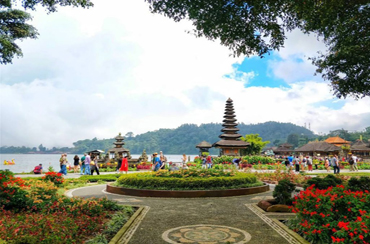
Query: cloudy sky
(118, 68)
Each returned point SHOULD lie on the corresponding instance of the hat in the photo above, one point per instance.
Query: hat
(155, 153)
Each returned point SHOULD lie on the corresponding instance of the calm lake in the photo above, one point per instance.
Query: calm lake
(27, 162)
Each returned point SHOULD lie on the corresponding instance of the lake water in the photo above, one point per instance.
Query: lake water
(27, 162)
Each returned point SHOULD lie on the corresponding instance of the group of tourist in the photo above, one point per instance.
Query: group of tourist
(88, 164)
(302, 162)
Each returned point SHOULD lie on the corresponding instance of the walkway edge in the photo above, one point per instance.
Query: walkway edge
(291, 237)
(124, 235)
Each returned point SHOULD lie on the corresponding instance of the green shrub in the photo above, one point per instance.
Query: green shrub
(150, 181)
(96, 178)
(323, 183)
(359, 184)
(283, 192)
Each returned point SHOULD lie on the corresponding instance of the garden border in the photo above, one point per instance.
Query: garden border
(279, 227)
(124, 235)
(186, 194)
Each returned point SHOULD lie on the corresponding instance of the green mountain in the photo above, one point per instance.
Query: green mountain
(182, 139)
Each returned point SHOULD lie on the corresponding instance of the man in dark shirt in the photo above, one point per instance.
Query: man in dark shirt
(119, 163)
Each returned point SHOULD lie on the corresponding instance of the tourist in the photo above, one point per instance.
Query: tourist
(124, 165)
(63, 164)
(87, 164)
(287, 164)
(61, 160)
(76, 162)
(291, 158)
(38, 169)
(174, 167)
(309, 163)
(335, 164)
(94, 166)
(209, 161)
(355, 159)
(163, 160)
(119, 163)
(296, 162)
(326, 164)
(183, 159)
(156, 162)
(204, 162)
(83, 164)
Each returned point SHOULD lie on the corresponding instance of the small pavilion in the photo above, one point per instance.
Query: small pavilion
(284, 149)
(337, 141)
(230, 143)
(203, 147)
(361, 149)
(119, 150)
(319, 148)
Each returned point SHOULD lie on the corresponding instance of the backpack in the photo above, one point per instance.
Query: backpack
(37, 169)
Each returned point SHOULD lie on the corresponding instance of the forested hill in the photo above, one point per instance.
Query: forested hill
(177, 141)
(184, 138)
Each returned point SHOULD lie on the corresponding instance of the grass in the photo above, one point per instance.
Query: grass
(346, 174)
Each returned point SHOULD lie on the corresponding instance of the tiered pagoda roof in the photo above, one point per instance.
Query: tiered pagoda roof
(119, 145)
(230, 137)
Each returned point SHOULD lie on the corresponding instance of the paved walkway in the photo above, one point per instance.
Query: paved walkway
(203, 219)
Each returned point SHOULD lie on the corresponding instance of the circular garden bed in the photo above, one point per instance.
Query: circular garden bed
(188, 183)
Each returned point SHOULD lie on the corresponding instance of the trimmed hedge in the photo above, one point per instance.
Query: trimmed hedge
(149, 181)
(95, 178)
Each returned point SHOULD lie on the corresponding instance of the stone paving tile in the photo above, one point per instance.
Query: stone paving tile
(169, 213)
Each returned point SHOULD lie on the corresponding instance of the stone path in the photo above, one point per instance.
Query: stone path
(195, 220)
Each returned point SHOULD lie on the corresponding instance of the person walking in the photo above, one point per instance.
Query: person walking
(82, 168)
(63, 164)
(87, 164)
(124, 165)
(326, 164)
(94, 166)
(204, 162)
(209, 162)
(335, 164)
(309, 163)
(156, 162)
(287, 164)
(183, 159)
(351, 162)
(119, 163)
(163, 160)
(76, 162)
(355, 159)
(297, 162)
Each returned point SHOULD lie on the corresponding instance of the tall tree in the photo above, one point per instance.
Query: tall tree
(13, 24)
(256, 144)
(251, 27)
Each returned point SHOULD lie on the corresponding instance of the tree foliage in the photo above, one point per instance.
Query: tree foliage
(259, 26)
(255, 144)
(13, 26)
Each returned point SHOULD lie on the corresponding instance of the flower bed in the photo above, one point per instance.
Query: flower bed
(188, 180)
(333, 215)
(34, 212)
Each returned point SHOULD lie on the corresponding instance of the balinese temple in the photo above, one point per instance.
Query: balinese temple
(284, 149)
(319, 149)
(203, 147)
(230, 143)
(119, 150)
(361, 149)
(337, 141)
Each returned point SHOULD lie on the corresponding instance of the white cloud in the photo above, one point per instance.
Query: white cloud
(119, 68)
